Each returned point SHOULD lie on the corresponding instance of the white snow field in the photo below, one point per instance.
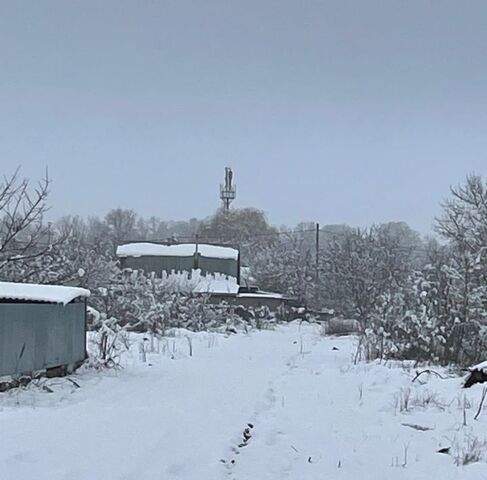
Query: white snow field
(314, 415)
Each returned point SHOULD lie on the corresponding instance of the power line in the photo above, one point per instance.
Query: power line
(223, 239)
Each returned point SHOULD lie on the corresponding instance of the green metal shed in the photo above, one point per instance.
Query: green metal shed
(41, 327)
(158, 258)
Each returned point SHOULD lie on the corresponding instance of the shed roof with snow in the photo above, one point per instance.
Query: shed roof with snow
(141, 249)
(30, 292)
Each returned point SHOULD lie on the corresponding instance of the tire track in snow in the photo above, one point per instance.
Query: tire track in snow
(275, 450)
(245, 439)
(265, 412)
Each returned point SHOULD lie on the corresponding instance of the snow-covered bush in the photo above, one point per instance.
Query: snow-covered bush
(427, 321)
(439, 313)
(469, 449)
(110, 341)
(146, 303)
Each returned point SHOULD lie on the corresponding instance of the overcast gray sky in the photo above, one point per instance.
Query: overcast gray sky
(333, 111)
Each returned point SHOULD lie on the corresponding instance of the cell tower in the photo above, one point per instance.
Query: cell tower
(228, 191)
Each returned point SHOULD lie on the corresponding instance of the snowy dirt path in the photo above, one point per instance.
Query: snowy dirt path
(174, 419)
(328, 419)
(312, 414)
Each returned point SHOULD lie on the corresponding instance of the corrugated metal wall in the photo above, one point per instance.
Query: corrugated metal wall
(159, 264)
(50, 335)
(220, 265)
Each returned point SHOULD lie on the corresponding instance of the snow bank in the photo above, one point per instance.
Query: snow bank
(480, 366)
(217, 283)
(182, 250)
(199, 283)
(40, 293)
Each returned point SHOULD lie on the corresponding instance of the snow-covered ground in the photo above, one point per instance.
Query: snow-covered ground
(312, 415)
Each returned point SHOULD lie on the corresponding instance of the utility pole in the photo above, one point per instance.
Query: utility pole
(317, 266)
(196, 260)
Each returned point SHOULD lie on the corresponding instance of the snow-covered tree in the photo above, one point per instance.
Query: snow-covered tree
(361, 265)
(464, 225)
(67, 260)
(426, 319)
(244, 228)
(286, 265)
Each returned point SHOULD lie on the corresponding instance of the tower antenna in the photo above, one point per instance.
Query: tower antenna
(228, 191)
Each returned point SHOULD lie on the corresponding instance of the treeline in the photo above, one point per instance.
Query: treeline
(420, 299)
(417, 298)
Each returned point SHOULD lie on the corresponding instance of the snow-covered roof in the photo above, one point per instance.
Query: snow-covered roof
(141, 249)
(259, 294)
(40, 293)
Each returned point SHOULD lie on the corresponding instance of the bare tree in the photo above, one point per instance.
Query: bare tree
(464, 219)
(23, 233)
(121, 225)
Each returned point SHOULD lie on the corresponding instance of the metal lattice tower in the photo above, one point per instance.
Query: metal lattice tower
(228, 191)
